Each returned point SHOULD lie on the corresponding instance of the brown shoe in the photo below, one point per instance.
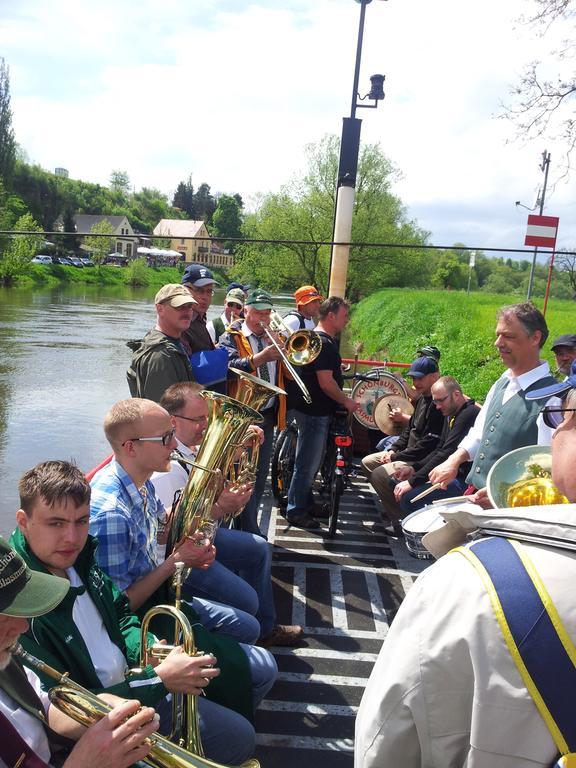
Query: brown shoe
(304, 521)
(282, 634)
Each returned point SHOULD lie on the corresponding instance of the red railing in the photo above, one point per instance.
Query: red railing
(376, 363)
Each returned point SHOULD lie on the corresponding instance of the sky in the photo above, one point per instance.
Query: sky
(232, 91)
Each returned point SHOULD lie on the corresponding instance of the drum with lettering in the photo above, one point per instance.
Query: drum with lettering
(379, 382)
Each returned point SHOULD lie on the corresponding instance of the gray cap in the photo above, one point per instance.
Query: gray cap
(566, 340)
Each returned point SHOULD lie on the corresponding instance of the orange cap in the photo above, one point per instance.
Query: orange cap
(306, 294)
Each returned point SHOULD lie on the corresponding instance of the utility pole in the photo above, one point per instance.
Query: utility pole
(544, 166)
(347, 169)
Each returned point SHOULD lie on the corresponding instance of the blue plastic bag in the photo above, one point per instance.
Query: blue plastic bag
(209, 366)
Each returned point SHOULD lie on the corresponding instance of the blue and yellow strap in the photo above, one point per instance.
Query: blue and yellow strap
(536, 638)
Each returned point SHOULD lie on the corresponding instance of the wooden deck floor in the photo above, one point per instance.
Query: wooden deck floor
(344, 592)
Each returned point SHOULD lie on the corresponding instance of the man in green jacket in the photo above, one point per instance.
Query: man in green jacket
(92, 633)
(161, 357)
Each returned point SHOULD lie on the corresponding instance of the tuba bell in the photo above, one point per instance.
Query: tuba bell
(523, 478)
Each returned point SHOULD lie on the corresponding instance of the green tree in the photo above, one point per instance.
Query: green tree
(204, 203)
(184, 198)
(450, 273)
(100, 246)
(303, 210)
(7, 140)
(120, 183)
(22, 248)
(227, 219)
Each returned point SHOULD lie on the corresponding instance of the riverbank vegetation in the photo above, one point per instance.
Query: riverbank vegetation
(393, 324)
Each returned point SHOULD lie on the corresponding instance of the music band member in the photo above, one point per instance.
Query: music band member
(323, 379)
(240, 575)
(160, 359)
(415, 443)
(30, 727)
(564, 348)
(446, 689)
(249, 349)
(305, 316)
(508, 419)
(93, 633)
(233, 310)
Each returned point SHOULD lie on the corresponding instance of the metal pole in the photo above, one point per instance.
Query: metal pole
(346, 191)
(544, 167)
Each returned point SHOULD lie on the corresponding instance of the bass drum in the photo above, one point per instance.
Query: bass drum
(380, 382)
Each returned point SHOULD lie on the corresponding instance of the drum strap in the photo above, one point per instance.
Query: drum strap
(535, 636)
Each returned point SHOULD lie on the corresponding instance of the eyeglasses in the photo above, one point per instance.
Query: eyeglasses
(441, 399)
(165, 439)
(552, 415)
(204, 291)
(231, 305)
(195, 420)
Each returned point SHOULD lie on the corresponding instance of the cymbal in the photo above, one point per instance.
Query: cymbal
(383, 412)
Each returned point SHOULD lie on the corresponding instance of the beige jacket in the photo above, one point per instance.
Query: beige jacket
(444, 692)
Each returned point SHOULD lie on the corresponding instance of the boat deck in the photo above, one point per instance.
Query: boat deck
(344, 592)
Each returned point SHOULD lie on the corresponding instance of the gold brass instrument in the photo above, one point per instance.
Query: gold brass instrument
(228, 424)
(523, 478)
(300, 347)
(84, 707)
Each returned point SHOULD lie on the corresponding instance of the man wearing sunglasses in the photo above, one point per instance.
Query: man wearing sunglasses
(233, 310)
(160, 359)
(509, 418)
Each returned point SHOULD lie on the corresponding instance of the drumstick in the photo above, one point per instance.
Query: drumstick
(433, 487)
(451, 500)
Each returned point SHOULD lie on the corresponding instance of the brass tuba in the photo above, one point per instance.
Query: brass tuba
(86, 708)
(228, 424)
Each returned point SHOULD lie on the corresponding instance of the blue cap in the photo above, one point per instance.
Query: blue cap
(237, 285)
(422, 366)
(554, 389)
(198, 275)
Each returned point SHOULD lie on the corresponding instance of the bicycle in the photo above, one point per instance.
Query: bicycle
(283, 463)
(335, 470)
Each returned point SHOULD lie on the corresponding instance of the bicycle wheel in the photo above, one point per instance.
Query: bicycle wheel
(283, 464)
(336, 490)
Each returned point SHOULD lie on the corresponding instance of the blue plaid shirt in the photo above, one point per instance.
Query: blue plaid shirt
(124, 519)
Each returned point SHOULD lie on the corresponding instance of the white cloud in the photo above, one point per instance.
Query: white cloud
(232, 91)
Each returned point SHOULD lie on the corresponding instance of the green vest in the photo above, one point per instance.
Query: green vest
(508, 426)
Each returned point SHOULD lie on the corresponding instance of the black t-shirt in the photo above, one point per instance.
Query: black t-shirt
(328, 360)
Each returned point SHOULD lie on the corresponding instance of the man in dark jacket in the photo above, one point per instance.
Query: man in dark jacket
(160, 359)
(416, 442)
(459, 414)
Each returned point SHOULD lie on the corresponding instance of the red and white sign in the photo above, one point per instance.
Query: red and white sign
(542, 231)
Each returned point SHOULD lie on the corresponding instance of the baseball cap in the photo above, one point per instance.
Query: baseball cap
(243, 288)
(554, 389)
(429, 351)
(198, 275)
(422, 366)
(306, 294)
(24, 592)
(566, 340)
(175, 295)
(235, 295)
(259, 299)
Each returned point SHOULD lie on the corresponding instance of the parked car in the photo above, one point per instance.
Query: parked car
(76, 262)
(42, 259)
(62, 260)
(87, 262)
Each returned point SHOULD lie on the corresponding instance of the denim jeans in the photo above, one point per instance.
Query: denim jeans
(224, 619)
(312, 431)
(248, 520)
(239, 577)
(455, 488)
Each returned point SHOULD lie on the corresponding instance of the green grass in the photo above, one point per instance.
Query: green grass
(393, 323)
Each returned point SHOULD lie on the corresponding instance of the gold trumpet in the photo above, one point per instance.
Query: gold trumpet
(84, 707)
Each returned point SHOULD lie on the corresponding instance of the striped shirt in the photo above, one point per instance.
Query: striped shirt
(124, 519)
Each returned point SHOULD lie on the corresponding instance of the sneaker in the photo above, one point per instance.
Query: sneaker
(318, 510)
(282, 634)
(394, 529)
(304, 521)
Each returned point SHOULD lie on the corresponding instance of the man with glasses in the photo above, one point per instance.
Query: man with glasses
(508, 419)
(233, 310)
(125, 512)
(160, 359)
(240, 575)
(459, 413)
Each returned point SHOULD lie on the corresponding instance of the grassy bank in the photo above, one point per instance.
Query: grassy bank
(393, 323)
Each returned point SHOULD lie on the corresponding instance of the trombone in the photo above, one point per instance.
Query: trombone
(300, 347)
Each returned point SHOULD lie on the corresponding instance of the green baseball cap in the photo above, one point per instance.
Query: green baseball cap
(259, 299)
(24, 592)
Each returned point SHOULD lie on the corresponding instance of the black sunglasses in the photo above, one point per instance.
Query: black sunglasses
(553, 415)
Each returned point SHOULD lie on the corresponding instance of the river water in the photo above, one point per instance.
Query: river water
(63, 361)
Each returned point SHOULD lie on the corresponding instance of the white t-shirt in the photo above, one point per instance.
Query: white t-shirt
(293, 322)
(29, 727)
(107, 658)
